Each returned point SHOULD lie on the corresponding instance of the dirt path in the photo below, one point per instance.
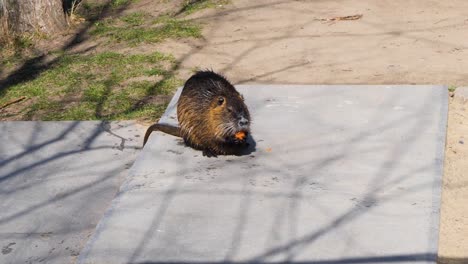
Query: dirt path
(395, 42)
(283, 41)
(453, 241)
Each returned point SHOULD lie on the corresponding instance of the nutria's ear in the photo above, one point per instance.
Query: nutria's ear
(241, 97)
(221, 100)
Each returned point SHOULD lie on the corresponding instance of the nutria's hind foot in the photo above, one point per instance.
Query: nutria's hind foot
(209, 153)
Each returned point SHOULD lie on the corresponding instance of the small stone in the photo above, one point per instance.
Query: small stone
(461, 142)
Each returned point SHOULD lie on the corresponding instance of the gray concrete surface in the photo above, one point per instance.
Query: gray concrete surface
(56, 181)
(336, 174)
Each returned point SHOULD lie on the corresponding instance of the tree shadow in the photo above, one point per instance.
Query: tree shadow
(67, 5)
(187, 5)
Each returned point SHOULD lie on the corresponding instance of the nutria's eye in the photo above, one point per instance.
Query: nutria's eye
(220, 101)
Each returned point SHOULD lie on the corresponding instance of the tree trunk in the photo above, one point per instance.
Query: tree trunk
(33, 16)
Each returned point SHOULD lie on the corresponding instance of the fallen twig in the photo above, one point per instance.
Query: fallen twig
(13, 102)
(340, 18)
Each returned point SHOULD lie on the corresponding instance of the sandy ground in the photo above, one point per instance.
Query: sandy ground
(453, 240)
(395, 42)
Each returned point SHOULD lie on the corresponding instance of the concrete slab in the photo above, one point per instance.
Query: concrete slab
(56, 181)
(337, 174)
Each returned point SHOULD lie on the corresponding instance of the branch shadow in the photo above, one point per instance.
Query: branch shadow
(288, 210)
(52, 180)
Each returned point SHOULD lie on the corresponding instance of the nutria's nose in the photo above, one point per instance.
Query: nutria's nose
(243, 122)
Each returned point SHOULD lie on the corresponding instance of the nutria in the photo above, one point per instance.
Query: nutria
(212, 116)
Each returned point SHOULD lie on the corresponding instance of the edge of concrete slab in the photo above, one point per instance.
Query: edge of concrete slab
(165, 118)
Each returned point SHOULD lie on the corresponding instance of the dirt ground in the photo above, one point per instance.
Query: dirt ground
(453, 240)
(395, 42)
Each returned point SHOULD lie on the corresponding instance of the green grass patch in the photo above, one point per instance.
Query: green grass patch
(94, 9)
(143, 112)
(14, 49)
(135, 31)
(90, 9)
(121, 3)
(191, 6)
(134, 19)
(107, 85)
(92, 5)
(97, 87)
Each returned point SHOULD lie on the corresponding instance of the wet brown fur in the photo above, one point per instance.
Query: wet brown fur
(209, 110)
(204, 123)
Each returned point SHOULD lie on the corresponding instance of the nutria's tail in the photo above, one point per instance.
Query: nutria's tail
(166, 128)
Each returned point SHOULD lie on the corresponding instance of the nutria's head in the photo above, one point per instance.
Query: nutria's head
(211, 113)
(230, 117)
